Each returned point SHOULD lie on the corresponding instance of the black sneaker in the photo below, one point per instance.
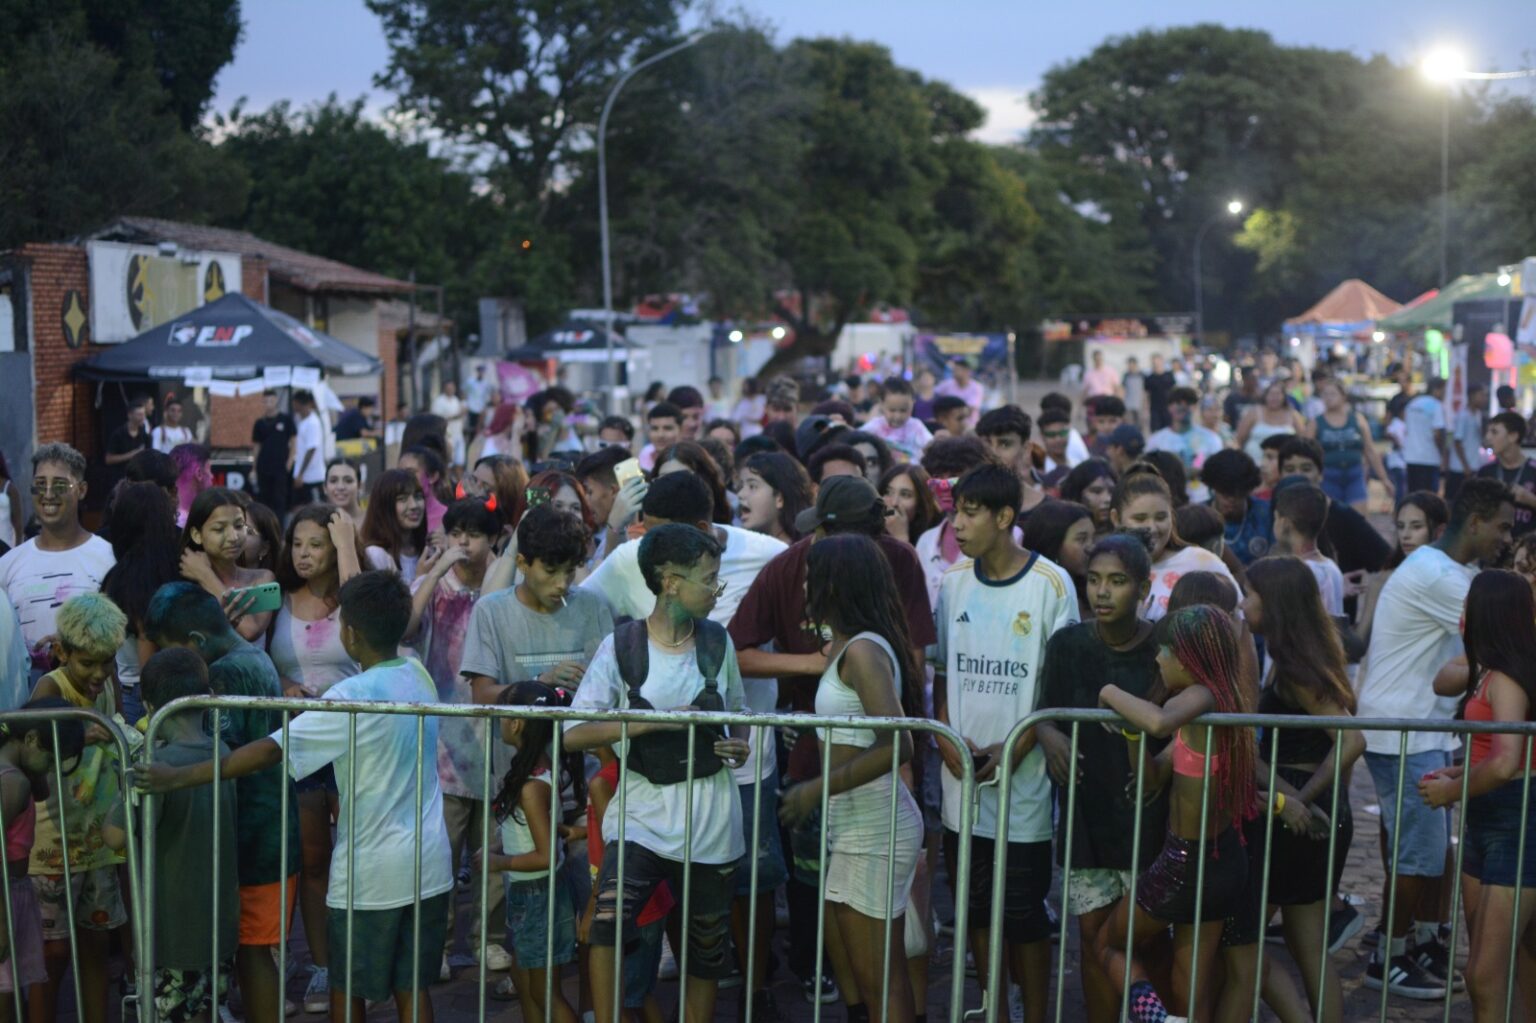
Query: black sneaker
(825, 992)
(1403, 977)
(764, 1008)
(1371, 942)
(1343, 924)
(1434, 958)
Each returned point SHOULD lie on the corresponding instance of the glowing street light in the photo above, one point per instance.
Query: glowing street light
(1443, 64)
(1234, 207)
(778, 333)
(735, 337)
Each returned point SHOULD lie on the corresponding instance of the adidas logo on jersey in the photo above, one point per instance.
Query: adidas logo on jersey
(964, 617)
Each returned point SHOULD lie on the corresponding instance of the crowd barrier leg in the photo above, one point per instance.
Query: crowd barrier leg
(1397, 838)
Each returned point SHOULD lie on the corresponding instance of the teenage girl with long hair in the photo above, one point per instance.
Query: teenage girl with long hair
(1202, 673)
(1143, 504)
(147, 548)
(212, 545)
(343, 488)
(870, 672)
(913, 508)
(1307, 676)
(503, 479)
(1062, 532)
(1498, 639)
(522, 809)
(319, 553)
(774, 491)
(1092, 485)
(395, 528)
(263, 535)
(1420, 518)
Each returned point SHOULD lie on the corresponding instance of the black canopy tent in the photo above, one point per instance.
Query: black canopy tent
(235, 338)
(574, 341)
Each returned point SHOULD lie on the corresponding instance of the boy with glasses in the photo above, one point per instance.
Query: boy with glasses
(62, 561)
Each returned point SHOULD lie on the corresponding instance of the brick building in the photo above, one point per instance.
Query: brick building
(62, 302)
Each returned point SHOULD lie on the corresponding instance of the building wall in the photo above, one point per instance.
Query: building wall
(64, 406)
(355, 321)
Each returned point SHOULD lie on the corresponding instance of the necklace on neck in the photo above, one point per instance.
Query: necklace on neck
(651, 630)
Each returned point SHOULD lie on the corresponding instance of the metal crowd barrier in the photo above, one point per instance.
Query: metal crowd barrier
(426, 759)
(1074, 720)
(56, 785)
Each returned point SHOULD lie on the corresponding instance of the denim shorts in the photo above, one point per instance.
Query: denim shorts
(1090, 889)
(1426, 831)
(528, 922)
(771, 868)
(385, 955)
(1345, 483)
(1492, 850)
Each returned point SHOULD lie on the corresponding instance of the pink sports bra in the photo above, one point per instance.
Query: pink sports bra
(1189, 762)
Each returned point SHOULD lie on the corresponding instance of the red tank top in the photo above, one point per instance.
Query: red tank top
(1479, 709)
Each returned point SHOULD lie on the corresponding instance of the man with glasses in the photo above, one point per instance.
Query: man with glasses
(62, 561)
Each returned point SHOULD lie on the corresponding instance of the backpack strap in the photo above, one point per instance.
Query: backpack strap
(709, 648)
(632, 648)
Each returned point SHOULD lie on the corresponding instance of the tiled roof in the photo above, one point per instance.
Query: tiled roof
(300, 269)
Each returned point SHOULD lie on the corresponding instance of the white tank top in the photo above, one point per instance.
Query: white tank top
(310, 653)
(835, 699)
(516, 839)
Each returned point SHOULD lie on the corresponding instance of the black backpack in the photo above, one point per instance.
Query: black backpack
(662, 757)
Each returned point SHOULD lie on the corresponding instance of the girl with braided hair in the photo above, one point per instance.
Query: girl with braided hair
(1202, 673)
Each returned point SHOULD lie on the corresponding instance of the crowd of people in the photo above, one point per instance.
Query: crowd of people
(896, 549)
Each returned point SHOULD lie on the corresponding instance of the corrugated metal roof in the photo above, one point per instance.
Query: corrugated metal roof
(302, 270)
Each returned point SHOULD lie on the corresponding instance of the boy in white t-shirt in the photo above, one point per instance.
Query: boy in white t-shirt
(681, 566)
(895, 424)
(995, 613)
(378, 781)
(1300, 511)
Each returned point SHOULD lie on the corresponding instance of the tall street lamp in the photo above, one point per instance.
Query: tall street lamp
(1233, 209)
(1446, 66)
(602, 196)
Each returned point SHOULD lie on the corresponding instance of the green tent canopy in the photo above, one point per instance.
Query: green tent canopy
(1436, 312)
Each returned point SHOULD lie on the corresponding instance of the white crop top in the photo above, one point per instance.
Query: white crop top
(516, 839)
(835, 699)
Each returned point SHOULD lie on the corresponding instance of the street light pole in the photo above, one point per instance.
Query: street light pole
(1445, 180)
(1233, 209)
(602, 196)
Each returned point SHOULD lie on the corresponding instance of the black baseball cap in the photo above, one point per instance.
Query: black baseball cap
(845, 500)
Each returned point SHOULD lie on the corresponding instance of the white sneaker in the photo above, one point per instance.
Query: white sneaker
(1015, 1004)
(446, 971)
(317, 997)
(668, 967)
(496, 958)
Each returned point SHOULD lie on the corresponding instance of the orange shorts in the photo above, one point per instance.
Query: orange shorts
(260, 917)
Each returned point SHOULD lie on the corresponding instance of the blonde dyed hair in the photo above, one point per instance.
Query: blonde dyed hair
(91, 624)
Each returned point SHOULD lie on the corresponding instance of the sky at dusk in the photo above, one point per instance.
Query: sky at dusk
(995, 50)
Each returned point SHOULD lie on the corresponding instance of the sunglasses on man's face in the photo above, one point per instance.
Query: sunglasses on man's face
(51, 488)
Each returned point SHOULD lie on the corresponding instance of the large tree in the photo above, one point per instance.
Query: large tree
(87, 134)
(526, 81)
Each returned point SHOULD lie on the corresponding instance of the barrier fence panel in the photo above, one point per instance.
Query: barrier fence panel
(121, 747)
(625, 907)
(1074, 720)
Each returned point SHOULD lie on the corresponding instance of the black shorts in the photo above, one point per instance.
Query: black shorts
(1167, 889)
(1298, 865)
(1025, 886)
(712, 886)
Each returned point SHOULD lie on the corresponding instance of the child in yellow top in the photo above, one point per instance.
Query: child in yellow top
(90, 629)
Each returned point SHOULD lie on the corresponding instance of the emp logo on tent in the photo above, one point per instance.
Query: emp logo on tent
(209, 337)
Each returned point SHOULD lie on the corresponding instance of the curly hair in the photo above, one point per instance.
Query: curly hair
(553, 537)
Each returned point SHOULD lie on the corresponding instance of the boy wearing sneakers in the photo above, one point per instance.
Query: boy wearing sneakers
(997, 608)
(674, 658)
(378, 782)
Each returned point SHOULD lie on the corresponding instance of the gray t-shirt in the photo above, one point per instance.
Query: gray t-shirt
(510, 642)
(184, 889)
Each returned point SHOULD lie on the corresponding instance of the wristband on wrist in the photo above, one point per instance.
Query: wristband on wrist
(1130, 736)
(1279, 806)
